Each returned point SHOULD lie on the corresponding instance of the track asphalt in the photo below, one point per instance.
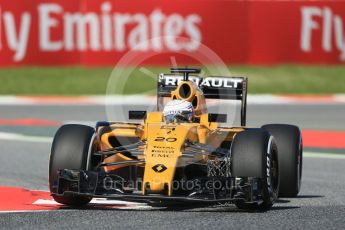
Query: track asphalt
(24, 164)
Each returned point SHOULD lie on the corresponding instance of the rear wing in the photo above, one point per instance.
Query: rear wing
(213, 87)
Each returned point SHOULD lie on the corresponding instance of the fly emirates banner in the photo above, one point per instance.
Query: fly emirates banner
(100, 32)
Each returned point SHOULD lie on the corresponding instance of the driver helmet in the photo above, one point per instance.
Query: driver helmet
(178, 111)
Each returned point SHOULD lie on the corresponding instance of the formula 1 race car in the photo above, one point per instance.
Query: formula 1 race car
(179, 153)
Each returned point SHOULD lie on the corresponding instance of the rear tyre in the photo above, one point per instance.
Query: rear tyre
(254, 154)
(290, 151)
(70, 150)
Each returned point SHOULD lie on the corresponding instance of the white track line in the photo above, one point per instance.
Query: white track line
(42, 139)
(148, 100)
(99, 202)
(324, 155)
(94, 201)
(21, 137)
(340, 97)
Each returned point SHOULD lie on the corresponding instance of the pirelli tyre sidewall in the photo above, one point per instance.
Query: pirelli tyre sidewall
(254, 154)
(272, 179)
(70, 150)
(290, 151)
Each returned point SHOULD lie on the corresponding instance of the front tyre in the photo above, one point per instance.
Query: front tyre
(70, 150)
(254, 155)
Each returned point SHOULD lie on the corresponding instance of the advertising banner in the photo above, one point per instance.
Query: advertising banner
(100, 33)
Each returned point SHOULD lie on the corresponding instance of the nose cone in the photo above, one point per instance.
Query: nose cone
(163, 150)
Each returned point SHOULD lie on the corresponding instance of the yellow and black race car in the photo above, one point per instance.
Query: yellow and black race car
(179, 153)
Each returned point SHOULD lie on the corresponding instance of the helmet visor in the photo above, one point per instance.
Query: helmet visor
(183, 116)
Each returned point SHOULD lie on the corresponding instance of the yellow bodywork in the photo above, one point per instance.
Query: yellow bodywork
(163, 152)
(165, 143)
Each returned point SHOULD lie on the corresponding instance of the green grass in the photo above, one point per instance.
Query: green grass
(284, 79)
(295, 79)
(53, 81)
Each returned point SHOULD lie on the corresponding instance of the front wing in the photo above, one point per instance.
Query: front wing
(100, 184)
